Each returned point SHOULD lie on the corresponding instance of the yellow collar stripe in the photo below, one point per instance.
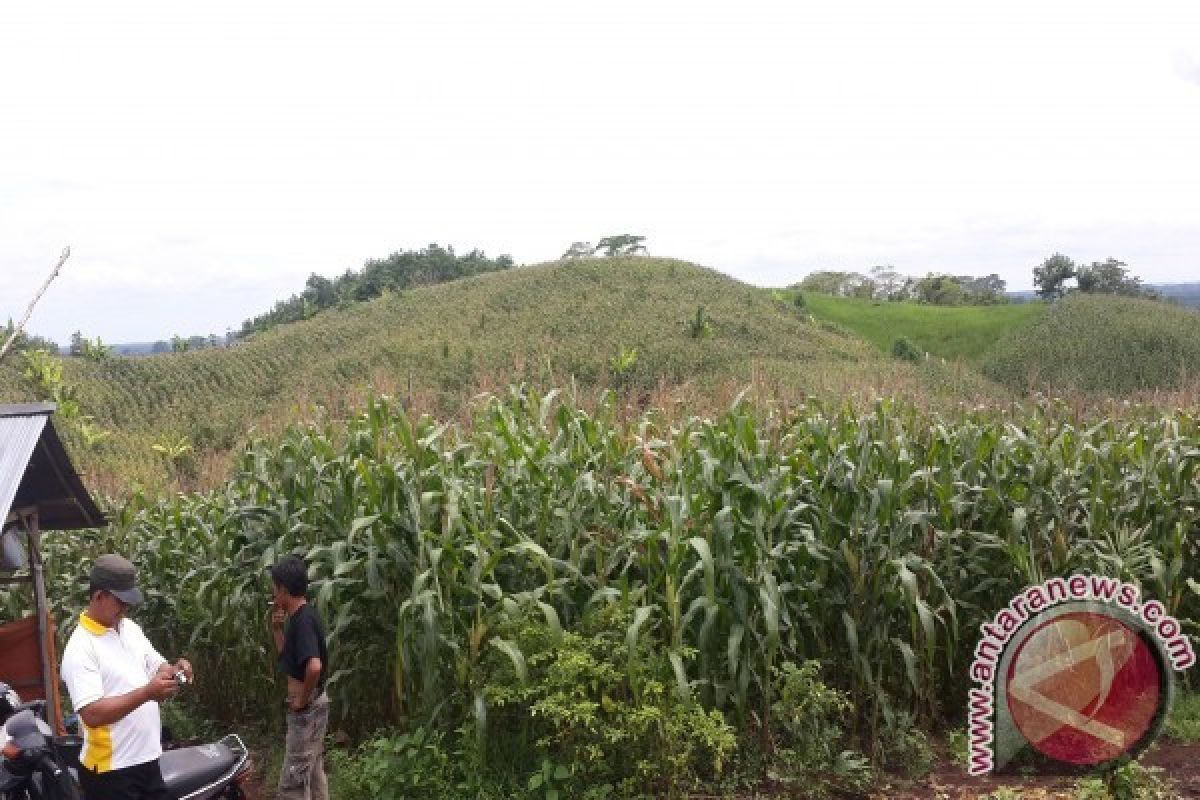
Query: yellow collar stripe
(91, 626)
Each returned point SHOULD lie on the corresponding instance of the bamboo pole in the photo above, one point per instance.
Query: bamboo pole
(66, 253)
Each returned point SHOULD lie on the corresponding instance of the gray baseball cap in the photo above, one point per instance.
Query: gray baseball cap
(116, 575)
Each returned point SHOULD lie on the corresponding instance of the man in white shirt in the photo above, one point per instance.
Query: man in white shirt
(116, 679)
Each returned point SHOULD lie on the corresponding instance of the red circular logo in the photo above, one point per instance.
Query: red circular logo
(1084, 688)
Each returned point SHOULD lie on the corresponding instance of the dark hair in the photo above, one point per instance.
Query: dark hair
(291, 574)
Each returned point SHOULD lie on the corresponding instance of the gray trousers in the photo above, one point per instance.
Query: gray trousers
(303, 774)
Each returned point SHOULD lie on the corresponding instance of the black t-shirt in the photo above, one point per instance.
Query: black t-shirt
(304, 638)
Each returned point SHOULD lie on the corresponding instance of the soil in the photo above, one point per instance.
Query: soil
(1180, 765)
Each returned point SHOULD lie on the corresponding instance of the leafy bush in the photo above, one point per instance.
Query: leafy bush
(904, 747)
(1129, 781)
(813, 752)
(700, 327)
(395, 766)
(903, 348)
(595, 711)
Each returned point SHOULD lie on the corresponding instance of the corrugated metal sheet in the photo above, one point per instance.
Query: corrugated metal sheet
(18, 436)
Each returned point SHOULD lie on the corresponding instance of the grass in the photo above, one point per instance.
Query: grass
(964, 333)
(629, 323)
(1101, 344)
(1183, 725)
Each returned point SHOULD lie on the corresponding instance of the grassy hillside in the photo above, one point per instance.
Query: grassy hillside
(965, 333)
(1100, 343)
(550, 324)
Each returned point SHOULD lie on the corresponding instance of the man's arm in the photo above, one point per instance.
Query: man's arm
(108, 710)
(312, 675)
(276, 624)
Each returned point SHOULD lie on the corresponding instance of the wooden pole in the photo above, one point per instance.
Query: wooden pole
(66, 253)
(43, 617)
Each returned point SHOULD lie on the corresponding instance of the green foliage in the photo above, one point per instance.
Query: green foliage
(95, 351)
(603, 701)
(24, 341)
(625, 244)
(401, 270)
(1004, 793)
(940, 290)
(623, 364)
(397, 766)
(44, 371)
(700, 327)
(959, 746)
(1128, 781)
(1183, 724)
(1095, 343)
(904, 349)
(1110, 277)
(1052, 275)
(546, 324)
(186, 723)
(550, 781)
(966, 333)
(904, 748)
(579, 250)
(886, 284)
(838, 284)
(508, 575)
(813, 752)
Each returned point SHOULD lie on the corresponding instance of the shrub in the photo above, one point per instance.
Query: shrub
(1129, 781)
(814, 752)
(596, 716)
(395, 765)
(904, 349)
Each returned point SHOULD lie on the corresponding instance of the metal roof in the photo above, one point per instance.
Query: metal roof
(35, 470)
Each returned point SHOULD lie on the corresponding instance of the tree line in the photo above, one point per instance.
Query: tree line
(26, 341)
(401, 270)
(885, 283)
(1052, 278)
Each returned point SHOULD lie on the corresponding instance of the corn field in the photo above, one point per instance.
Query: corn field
(874, 543)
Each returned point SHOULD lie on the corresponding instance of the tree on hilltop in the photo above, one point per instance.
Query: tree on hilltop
(578, 250)
(625, 244)
(1100, 277)
(840, 284)
(1109, 277)
(1051, 277)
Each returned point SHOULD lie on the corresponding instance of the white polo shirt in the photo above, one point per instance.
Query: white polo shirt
(106, 662)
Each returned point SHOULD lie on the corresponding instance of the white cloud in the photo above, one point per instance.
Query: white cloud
(236, 147)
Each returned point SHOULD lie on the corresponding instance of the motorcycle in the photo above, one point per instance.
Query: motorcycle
(37, 765)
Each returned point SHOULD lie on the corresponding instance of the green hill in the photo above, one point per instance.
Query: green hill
(966, 333)
(1102, 344)
(646, 326)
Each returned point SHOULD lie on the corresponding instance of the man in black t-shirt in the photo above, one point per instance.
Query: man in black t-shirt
(303, 657)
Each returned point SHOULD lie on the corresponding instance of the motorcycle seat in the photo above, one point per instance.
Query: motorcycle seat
(189, 769)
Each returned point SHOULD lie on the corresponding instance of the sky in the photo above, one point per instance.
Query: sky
(202, 159)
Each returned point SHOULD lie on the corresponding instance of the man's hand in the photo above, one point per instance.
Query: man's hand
(297, 702)
(186, 666)
(161, 687)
